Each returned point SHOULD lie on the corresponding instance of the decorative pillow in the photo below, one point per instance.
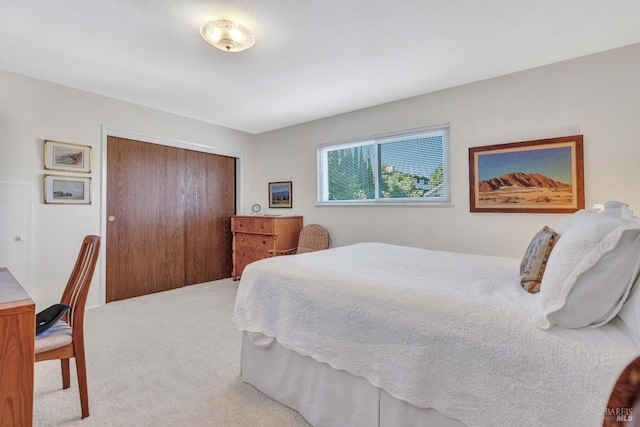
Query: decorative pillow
(590, 272)
(535, 259)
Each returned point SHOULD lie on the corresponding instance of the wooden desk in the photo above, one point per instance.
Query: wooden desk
(17, 353)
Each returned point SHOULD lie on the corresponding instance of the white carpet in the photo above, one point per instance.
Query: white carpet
(167, 359)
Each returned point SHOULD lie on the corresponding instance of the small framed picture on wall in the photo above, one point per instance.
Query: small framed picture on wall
(280, 194)
(65, 156)
(59, 189)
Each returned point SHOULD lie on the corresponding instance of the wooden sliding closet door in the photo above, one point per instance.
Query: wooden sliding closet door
(167, 217)
(145, 237)
(210, 202)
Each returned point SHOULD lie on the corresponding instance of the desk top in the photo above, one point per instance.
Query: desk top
(10, 289)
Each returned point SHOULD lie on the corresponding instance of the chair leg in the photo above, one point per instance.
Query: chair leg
(66, 377)
(81, 368)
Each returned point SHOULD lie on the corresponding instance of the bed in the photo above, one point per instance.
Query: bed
(374, 334)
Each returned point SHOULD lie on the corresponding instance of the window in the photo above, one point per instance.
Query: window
(406, 167)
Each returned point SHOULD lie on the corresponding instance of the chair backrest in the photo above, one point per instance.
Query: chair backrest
(313, 237)
(75, 294)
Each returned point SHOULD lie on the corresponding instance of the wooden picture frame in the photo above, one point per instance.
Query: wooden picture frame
(65, 156)
(540, 176)
(280, 195)
(61, 189)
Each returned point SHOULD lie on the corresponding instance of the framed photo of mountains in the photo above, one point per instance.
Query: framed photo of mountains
(280, 194)
(542, 176)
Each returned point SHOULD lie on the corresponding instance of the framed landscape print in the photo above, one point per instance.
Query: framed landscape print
(67, 189)
(544, 176)
(280, 194)
(65, 156)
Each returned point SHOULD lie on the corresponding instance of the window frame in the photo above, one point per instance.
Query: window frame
(322, 175)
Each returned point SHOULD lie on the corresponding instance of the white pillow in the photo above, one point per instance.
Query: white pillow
(576, 219)
(630, 313)
(612, 208)
(618, 209)
(590, 271)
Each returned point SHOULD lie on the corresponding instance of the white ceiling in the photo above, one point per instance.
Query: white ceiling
(311, 59)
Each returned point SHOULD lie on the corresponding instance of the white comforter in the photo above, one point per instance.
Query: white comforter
(436, 329)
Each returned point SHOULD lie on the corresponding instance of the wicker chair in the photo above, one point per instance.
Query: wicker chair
(313, 237)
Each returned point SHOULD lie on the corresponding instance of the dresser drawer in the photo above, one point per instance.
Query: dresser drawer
(253, 225)
(256, 241)
(244, 255)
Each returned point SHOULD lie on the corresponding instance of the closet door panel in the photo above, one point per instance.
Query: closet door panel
(145, 225)
(209, 205)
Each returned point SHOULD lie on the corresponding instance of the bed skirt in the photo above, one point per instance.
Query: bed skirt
(325, 396)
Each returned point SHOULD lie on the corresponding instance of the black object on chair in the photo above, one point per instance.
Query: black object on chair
(50, 316)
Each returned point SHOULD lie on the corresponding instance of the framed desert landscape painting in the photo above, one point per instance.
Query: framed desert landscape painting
(545, 176)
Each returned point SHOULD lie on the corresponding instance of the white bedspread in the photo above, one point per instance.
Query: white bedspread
(436, 329)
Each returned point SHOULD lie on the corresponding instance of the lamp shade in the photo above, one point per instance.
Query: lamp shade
(227, 35)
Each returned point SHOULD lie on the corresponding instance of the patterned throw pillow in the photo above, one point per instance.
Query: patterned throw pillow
(535, 259)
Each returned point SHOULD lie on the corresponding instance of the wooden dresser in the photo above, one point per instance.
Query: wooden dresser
(254, 235)
(17, 352)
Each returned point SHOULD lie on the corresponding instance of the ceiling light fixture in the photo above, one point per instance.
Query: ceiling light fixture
(227, 35)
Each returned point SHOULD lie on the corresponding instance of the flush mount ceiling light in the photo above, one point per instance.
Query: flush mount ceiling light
(227, 35)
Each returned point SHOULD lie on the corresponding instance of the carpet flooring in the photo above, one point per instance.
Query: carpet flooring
(166, 359)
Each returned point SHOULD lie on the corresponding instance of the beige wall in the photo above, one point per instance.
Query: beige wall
(32, 111)
(597, 96)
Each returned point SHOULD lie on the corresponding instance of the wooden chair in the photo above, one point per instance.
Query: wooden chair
(66, 338)
(313, 237)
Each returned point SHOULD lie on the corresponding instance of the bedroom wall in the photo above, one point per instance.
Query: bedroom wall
(33, 110)
(597, 96)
